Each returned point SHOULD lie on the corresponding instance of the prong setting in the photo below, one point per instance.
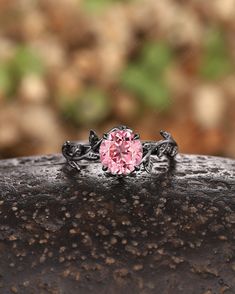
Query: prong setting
(136, 136)
(121, 138)
(105, 136)
(104, 168)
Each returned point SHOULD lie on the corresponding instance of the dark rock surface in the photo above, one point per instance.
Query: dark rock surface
(169, 232)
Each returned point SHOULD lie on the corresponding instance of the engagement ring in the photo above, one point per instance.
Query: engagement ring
(120, 151)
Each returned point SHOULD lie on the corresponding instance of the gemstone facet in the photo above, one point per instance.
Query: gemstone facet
(120, 153)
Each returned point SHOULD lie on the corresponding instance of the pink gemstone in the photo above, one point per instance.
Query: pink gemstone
(120, 153)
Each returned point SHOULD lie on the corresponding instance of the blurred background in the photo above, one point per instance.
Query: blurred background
(70, 65)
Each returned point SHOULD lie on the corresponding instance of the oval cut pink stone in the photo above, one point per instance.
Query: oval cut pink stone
(121, 153)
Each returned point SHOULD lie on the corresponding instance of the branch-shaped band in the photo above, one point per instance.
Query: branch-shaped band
(120, 150)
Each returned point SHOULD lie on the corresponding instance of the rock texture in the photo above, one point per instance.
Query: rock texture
(169, 232)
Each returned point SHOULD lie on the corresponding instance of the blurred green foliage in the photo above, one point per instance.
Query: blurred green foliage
(97, 5)
(92, 106)
(5, 80)
(216, 60)
(146, 77)
(24, 61)
(155, 58)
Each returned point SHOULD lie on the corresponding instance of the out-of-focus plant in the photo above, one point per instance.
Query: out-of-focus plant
(5, 80)
(26, 61)
(216, 60)
(97, 5)
(22, 63)
(90, 107)
(146, 77)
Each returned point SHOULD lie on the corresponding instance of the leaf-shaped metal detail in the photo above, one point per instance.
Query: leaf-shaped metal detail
(148, 165)
(93, 138)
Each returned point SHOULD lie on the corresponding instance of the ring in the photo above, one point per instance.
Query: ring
(120, 151)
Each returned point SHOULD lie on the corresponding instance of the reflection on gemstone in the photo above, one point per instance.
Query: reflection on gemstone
(120, 152)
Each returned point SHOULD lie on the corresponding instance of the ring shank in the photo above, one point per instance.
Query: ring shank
(75, 152)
